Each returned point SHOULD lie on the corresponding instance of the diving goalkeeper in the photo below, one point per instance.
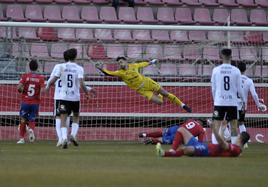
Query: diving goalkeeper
(145, 86)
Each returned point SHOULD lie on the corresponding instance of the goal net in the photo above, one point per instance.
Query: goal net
(186, 59)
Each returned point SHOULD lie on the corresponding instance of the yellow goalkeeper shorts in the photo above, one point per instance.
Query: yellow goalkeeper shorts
(148, 88)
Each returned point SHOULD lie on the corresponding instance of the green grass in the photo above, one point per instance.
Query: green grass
(125, 165)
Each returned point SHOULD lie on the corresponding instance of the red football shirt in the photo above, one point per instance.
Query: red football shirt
(215, 150)
(32, 84)
(195, 129)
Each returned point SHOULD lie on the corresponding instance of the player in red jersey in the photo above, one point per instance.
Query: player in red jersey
(191, 147)
(170, 135)
(30, 86)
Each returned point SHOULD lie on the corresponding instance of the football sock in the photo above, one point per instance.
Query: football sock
(32, 124)
(242, 128)
(58, 129)
(175, 100)
(178, 139)
(64, 133)
(233, 139)
(155, 134)
(75, 128)
(22, 130)
(178, 153)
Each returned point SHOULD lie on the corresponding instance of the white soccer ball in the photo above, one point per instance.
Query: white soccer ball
(263, 107)
(88, 88)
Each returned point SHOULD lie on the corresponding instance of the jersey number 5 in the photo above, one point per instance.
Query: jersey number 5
(31, 90)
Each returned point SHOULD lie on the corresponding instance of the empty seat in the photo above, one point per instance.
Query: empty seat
(84, 34)
(71, 14)
(153, 2)
(187, 70)
(96, 51)
(90, 69)
(184, 16)
(79, 48)
(90, 14)
(34, 13)
(248, 53)
(227, 3)
(172, 52)
(122, 35)
(114, 50)
(258, 17)
(3, 33)
(153, 51)
(235, 54)
(262, 3)
(190, 2)
(100, 1)
(179, 36)
(172, 2)
(7, 1)
(206, 70)
(15, 12)
(145, 15)
(237, 37)
(20, 50)
(2, 18)
(44, 1)
(254, 37)
(202, 16)
(209, 2)
(264, 52)
(135, 51)
(265, 36)
(39, 50)
(220, 16)
(239, 17)
(246, 3)
(211, 53)
(127, 15)
(47, 33)
(160, 35)
(57, 50)
(108, 14)
(150, 71)
(49, 66)
(216, 36)
(63, 1)
(165, 15)
(197, 36)
(192, 52)
(141, 35)
(168, 69)
(52, 13)
(27, 32)
(66, 33)
(103, 34)
(82, 1)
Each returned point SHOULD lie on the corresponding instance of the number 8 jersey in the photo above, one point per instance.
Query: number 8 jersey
(32, 84)
(226, 84)
(69, 80)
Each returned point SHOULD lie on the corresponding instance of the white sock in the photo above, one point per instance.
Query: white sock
(242, 128)
(227, 134)
(233, 139)
(64, 133)
(213, 139)
(75, 128)
(58, 129)
(68, 122)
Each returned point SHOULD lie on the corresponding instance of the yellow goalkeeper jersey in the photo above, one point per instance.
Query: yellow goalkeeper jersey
(130, 76)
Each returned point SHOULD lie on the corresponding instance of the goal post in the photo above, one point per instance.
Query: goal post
(117, 112)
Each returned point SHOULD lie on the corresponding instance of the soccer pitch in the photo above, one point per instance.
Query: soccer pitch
(108, 164)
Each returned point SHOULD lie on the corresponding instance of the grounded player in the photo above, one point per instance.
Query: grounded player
(71, 76)
(30, 86)
(226, 84)
(145, 86)
(167, 135)
(192, 147)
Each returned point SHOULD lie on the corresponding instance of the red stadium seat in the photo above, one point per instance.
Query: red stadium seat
(66, 34)
(168, 69)
(206, 70)
(108, 14)
(145, 15)
(160, 35)
(235, 54)
(191, 2)
(179, 36)
(25, 1)
(150, 71)
(20, 50)
(153, 51)
(187, 70)
(262, 3)
(82, 1)
(39, 50)
(57, 50)
(211, 53)
(216, 36)
(122, 35)
(44, 1)
(91, 69)
(47, 33)
(197, 36)
(165, 15)
(239, 17)
(63, 1)
(246, 3)
(3, 33)
(264, 53)
(237, 37)
(248, 53)
(7, 1)
(114, 50)
(52, 13)
(79, 48)
(100, 1)
(127, 15)
(191, 52)
(103, 34)
(184, 16)
(230, 3)
(172, 2)
(154, 2)
(34, 13)
(258, 17)
(265, 36)
(96, 51)
(84, 34)
(15, 12)
(202, 16)
(134, 51)
(209, 2)
(71, 14)
(27, 33)
(2, 18)
(172, 52)
(141, 35)
(90, 14)
(220, 16)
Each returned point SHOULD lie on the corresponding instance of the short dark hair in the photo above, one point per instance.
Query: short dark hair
(226, 51)
(70, 54)
(33, 65)
(120, 58)
(244, 137)
(242, 66)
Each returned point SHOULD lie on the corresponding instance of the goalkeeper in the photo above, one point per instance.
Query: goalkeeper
(145, 86)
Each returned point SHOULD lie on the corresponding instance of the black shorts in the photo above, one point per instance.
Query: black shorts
(56, 112)
(225, 113)
(242, 115)
(67, 107)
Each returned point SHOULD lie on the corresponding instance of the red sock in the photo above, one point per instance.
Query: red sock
(174, 154)
(32, 124)
(178, 139)
(155, 140)
(22, 130)
(155, 134)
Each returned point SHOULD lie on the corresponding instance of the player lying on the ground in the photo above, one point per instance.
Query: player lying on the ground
(145, 86)
(191, 147)
(167, 135)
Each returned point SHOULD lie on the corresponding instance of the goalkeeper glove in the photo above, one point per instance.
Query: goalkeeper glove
(154, 61)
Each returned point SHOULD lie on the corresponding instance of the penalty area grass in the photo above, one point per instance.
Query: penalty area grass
(108, 164)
